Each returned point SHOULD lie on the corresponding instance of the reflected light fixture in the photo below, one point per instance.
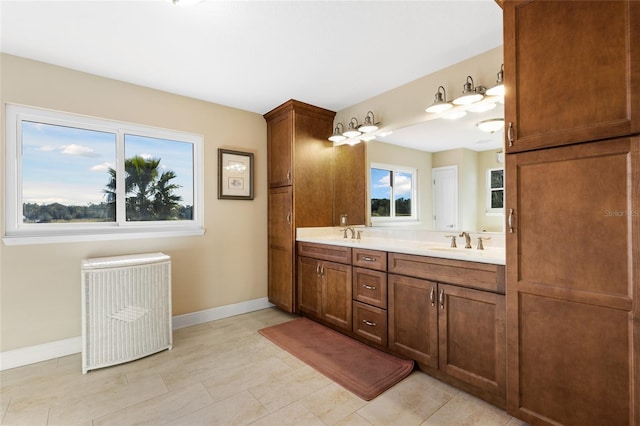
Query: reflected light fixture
(470, 93)
(456, 113)
(337, 134)
(369, 124)
(352, 131)
(498, 89)
(481, 106)
(491, 125)
(440, 103)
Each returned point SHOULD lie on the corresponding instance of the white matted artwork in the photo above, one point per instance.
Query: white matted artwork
(235, 175)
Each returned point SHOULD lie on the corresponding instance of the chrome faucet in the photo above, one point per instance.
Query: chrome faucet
(351, 230)
(467, 239)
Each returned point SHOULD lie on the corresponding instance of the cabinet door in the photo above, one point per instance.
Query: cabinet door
(572, 71)
(471, 327)
(309, 286)
(280, 236)
(336, 294)
(573, 269)
(413, 319)
(280, 142)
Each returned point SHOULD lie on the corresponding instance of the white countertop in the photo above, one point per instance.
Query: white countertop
(422, 243)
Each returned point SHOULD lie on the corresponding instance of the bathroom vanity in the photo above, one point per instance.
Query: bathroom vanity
(442, 306)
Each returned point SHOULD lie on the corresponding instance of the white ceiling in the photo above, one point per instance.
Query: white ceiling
(254, 55)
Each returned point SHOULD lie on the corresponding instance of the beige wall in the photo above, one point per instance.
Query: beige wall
(40, 284)
(379, 152)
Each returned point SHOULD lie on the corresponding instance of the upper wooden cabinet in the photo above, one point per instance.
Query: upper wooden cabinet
(572, 72)
(300, 169)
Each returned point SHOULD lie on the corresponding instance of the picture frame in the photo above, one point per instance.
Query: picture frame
(235, 175)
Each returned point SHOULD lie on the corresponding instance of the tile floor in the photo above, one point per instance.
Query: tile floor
(224, 373)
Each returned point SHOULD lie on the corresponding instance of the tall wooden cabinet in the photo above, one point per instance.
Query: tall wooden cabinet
(572, 108)
(301, 178)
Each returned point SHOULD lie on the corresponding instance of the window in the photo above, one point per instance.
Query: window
(395, 183)
(73, 178)
(495, 193)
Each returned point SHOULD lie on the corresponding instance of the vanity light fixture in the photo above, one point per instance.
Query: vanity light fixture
(352, 131)
(481, 106)
(498, 89)
(369, 124)
(456, 113)
(440, 103)
(337, 134)
(470, 93)
(491, 125)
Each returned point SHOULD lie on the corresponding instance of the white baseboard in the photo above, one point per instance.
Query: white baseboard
(38, 353)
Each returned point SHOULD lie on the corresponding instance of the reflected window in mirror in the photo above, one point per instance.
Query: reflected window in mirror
(393, 195)
(495, 191)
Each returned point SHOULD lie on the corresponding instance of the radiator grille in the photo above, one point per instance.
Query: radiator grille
(126, 308)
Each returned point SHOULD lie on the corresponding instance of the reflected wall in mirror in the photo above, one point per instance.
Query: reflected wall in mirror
(437, 145)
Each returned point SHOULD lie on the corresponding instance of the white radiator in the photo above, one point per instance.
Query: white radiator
(126, 308)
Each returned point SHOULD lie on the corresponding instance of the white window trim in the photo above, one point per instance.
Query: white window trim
(488, 210)
(18, 233)
(406, 220)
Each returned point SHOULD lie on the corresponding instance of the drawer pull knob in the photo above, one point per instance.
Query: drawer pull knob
(368, 259)
(369, 287)
(369, 323)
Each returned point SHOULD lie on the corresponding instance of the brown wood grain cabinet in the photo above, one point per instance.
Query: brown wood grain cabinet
(572, 72)
(324, 283)
(456, 331)
(300, 169)
(370, 295)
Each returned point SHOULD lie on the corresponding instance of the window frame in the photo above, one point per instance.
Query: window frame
(16, 232)
(408, 220)
(489, 210)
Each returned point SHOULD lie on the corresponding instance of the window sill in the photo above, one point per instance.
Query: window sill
(129, 234)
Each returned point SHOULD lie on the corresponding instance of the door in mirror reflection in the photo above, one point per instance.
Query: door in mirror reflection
(445, 198)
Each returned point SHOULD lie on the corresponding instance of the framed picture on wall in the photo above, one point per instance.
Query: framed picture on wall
(235, 175)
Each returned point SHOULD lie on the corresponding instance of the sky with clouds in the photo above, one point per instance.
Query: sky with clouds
(380, 184)
(70, 166)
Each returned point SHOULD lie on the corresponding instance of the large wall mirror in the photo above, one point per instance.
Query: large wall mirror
(459, 183)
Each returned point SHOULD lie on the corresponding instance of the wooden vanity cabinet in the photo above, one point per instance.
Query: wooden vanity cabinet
(300, 169)
(370, 295)
(324, 276)
(455, 332)
(572, 71)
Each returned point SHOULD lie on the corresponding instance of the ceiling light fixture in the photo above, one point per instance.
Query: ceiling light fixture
(498, 89)
(492, 125)
(352, 131)
(440, 103)
(369, 124)
(470, 93)
(184, 2)
(337, 134)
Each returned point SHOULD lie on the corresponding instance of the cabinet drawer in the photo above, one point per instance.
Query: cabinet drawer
(325, 252)
(370, 322)
(483, 276)
(371, 259)
(370, 287)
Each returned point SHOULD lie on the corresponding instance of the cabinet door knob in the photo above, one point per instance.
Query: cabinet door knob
(368, 259)
(289, 218)
(432, 296)
(369, 287)
(441, 298)
(369, 323)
